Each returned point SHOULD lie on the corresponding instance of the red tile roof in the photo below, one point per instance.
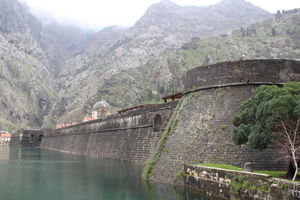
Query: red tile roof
(5, 135)
(90, 118)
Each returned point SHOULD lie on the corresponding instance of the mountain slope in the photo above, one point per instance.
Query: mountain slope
(15, 17)
(275, 38)
(53, 73)
(201, 21)
(27, 89)
(30, 58)
(107, 69)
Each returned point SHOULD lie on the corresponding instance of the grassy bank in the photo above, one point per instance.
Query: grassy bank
(275, 174)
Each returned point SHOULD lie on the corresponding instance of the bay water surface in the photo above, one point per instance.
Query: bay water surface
(36, 174)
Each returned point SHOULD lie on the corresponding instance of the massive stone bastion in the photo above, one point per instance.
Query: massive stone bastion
(212, 97)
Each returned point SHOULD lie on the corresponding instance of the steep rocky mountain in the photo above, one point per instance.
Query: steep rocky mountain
(27, 89)
(28, 56)
(52, 73)
(107, 70)
(201, 21)
(62, 42)
(59, 42)
(14, 17)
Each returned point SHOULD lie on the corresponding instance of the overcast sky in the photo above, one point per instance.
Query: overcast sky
(96, 14)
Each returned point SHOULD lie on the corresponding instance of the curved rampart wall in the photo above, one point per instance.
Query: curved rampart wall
(243, 72)
(213, 95)
(127, 136)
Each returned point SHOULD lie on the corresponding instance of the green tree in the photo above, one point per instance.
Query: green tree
(272, 116)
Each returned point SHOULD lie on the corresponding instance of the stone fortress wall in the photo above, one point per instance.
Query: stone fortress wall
(31, 138)
(201, 129)
(130, 136)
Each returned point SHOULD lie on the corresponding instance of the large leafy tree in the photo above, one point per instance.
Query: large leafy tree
(272, 116)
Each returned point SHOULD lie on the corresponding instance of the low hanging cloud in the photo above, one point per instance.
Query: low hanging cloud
(96, 14)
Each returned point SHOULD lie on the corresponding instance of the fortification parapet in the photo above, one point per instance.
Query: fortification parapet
(243, 72)
(129, 136)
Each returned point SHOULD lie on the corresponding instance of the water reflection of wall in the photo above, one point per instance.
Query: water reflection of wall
(32, 173)
(4, 151)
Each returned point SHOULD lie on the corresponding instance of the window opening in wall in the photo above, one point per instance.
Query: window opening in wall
(40, 138)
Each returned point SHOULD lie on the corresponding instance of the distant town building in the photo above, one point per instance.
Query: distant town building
(101, 109)
(4, 137)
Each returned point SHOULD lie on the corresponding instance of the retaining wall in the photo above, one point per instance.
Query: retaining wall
(229, 184)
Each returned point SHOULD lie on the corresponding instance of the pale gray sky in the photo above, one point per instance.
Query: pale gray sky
(94, 14)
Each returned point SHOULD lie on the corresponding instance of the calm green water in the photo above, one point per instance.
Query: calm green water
(35, 174)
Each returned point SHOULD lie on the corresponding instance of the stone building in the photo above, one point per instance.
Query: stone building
(4, 137)
(101, 109)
